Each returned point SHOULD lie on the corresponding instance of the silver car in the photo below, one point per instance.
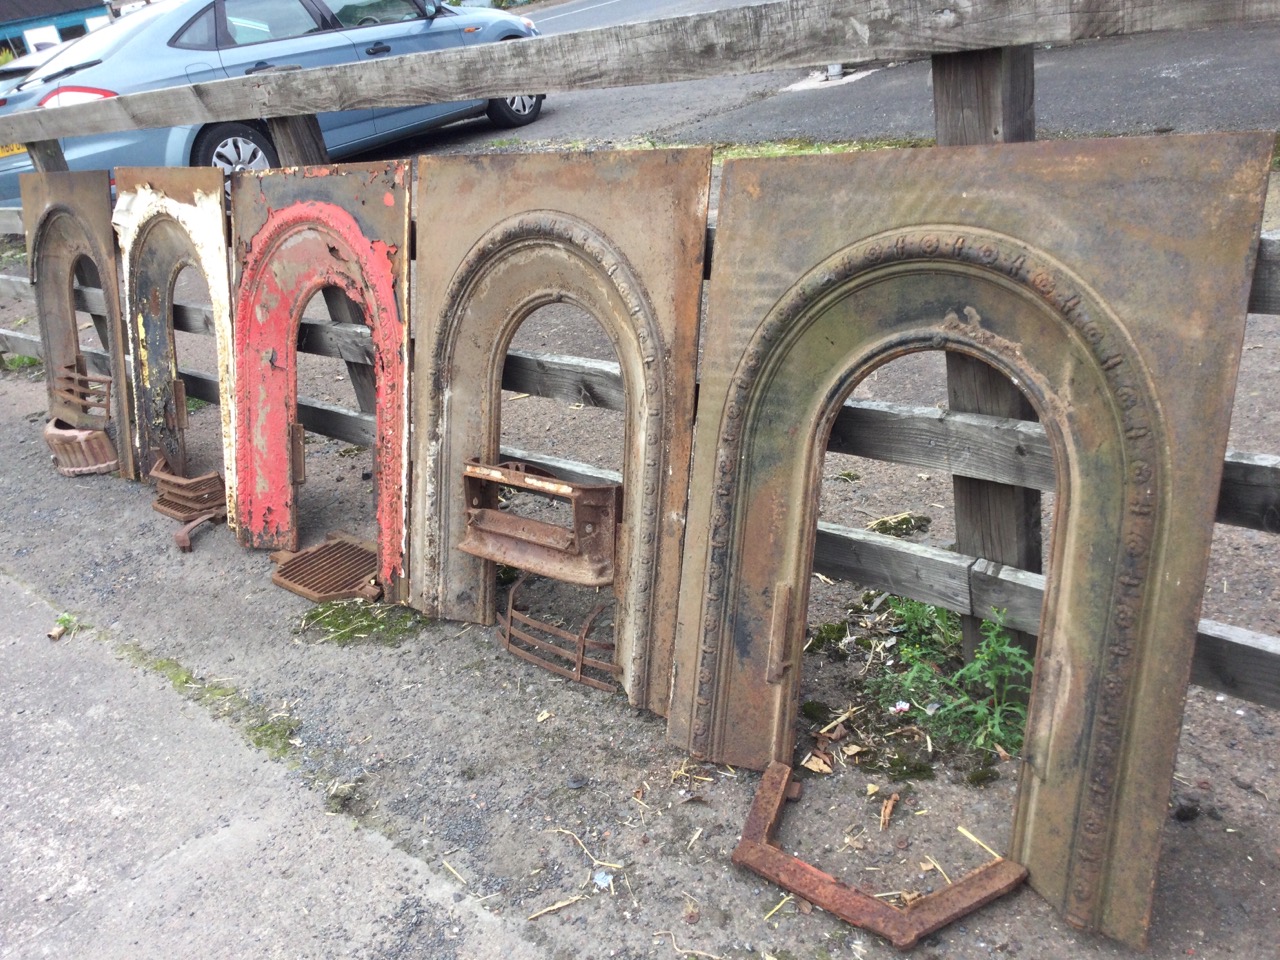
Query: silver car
(176, 42)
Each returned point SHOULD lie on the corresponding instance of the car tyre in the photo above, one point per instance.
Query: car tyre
(234, 146)
(514, 111)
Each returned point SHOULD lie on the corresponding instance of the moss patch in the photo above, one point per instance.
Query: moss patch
(347, 623)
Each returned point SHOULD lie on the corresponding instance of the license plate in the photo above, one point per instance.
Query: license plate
(9, 149)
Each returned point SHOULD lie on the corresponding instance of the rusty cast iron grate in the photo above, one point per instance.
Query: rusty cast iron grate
(190, 501)
(563, 653)
(341, 568)
(77, 452)
(581, 553)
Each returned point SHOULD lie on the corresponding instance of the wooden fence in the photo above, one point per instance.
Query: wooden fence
(769, 36)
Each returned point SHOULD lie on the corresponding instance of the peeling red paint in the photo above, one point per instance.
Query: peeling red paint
(301, 249)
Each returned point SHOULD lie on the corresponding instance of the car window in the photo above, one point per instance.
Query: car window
(253, 21)
(362, 13)
(199, 34)
(97, 44)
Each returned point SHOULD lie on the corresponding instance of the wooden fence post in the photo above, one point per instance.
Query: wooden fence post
(983, 97)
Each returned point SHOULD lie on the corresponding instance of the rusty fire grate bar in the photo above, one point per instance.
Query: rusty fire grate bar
(518, 637)
(192, 502)
(903, 928)
(341, 568)
(88, 392)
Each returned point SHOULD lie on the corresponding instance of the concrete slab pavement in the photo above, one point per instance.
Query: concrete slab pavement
(133, 824)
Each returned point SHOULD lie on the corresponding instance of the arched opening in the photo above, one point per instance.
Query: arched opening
(338, 495)
(831, 332)
(578, 435)
(196, 361)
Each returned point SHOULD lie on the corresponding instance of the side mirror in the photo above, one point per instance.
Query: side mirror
(432, 8)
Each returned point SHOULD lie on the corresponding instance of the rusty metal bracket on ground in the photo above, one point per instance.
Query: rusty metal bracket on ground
(902, 927)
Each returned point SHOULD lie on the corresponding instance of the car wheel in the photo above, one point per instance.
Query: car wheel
(514, 111)
(234, 146)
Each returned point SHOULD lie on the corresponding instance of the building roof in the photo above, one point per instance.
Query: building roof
(35, 9)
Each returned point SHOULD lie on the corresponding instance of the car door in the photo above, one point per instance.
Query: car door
(391, 28)
(255, 35)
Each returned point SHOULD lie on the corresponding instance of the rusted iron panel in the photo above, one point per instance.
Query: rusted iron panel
(295, 233)
(620, 234)
(904, 928)
(1109, 280)
(67, 217)
(168, 220)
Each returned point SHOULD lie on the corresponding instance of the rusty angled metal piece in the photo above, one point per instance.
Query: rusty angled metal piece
(69, 242)
(168, 220)
(904, 928)
(1124, 331)
(298, 232)
(560, 228)
(582, 554)
(341, 568)
(549, 646)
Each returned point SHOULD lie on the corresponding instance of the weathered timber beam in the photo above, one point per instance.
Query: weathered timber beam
(767, 36)
(1229, 659)
(594, 383)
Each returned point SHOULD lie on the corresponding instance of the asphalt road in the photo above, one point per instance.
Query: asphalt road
(589, 14)
(1188, 82)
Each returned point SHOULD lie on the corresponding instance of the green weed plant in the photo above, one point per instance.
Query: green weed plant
(981, 704)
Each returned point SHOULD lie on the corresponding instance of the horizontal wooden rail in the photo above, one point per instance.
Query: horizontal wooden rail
(1232, 660)
(1240, 662)
(753, 39)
